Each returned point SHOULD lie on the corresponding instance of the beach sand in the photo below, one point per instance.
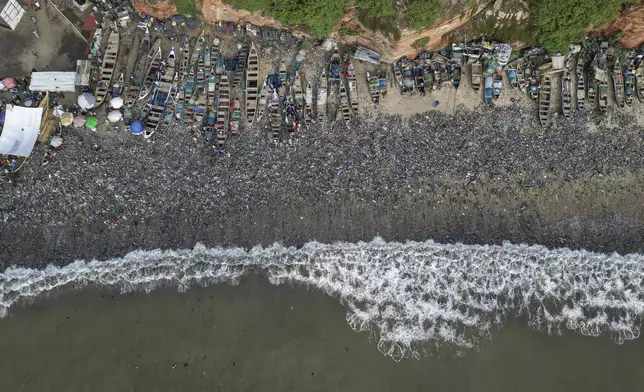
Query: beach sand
(278, 338)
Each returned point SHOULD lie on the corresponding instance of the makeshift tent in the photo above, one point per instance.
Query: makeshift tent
(116, 102)
(83, 70)
(53, 81)
(21, 129)
(58, 111)
(114, 116)
(66, 119)
(86, 101)
(137, 127)
(91, 122)
(9, 82)
(79, 121)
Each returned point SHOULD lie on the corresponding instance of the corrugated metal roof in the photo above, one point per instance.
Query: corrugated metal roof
(53, 81)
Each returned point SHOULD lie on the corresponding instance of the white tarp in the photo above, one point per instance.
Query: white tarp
(21, 129)
(53, 81)
(12, 13)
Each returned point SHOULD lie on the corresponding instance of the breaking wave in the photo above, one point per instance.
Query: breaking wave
(411, 294)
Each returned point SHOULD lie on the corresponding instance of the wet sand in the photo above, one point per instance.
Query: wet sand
(261, 337)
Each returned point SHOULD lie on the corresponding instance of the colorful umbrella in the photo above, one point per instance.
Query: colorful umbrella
(137, 127)
(116, 103)
(56, 141)
(9, 83)
(114, 116)
(91, 122)
(79, 121)
(66, 119)
(86, 101)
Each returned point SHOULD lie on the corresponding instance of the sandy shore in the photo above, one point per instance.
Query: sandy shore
(474, 177)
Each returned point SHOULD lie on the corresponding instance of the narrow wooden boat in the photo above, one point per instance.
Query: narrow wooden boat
(262, 101)
(211, 88)
(184, 62)
(252, 84)
(201, 73)
(297, 64)
(235, 117)
(639, 77)
(197, 50)
(520, 67)
(382, 83)
(107, 67)
(629, 82)
(618, 84)
(138, 76)
(308, 105)
(223, 110)
(398, 76)
(207, 61)
(511, 72)
(180, 102)
(601, 73)
(544, 100)
(591, 86)
(321, 96)
(566, 92)
(274, 115)
(290, 112)
(169, 116)
(298, 94)
(477, 74)
(374, 88)
(200, 108)
(117, 87)
(282, 72)
(157, 105)
(344, 102)
(353, 88)
(209, 128)
(581, 85)
(151, 75)
(240, 70)
(497, 84)
(189, 92)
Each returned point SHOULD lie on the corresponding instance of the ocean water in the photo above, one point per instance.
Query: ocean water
(410, 297)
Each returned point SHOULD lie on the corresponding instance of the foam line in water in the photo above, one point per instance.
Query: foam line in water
(413, 293)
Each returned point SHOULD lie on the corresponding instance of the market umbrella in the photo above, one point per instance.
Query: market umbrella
(66, 119)
(58, 111)
(79, 121)
(9, 83)
(56, 141)
(116, 103)
(91, 122)
(86, 101)
(137, 127)
(115, 116)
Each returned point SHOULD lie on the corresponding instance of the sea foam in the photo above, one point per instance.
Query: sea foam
(411, 294)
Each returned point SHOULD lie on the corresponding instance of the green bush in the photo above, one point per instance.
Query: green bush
(377, 8)
(319, 16)
(421, 43)
(186, 7)
(559, 23)
(423, 13)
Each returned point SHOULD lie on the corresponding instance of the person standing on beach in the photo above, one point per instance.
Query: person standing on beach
(36, 34)
(37, 6)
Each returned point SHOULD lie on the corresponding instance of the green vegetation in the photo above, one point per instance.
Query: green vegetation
(423, 13)
(319, 17)
(421, 43)
(186, 7)
(376, 8)
(344, 30)
(558, 23)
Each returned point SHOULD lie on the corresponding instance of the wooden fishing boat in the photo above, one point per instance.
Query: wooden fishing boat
(497, 84)
(282, 72)
(512, 75)
(344, 102)
(184, 61)
(107, 67)
(200, 108)
(581, 85)
(157, 105)
(382, 83)
(566, 91)
(189, 92)
(152, 75)
(335, 66)
(138, 76)
(321, 96)
(207, 61)
(353, 89)
(201, 73)
(223, 110)
(262, 101)
(374, 88)
(639, 77)
(290, 112)
(477, 74)
(209, 128)
(297, 64)
(308, 105)
(601, 74)
(197, 50)
(398, 76)
(629, 82)
(235, 117)
(170, 110)
(117, 87)
(298, 94)
(242, 57)
(274, 115)
(180, 102)
(618, 84)
(544, 100)
(252, 84)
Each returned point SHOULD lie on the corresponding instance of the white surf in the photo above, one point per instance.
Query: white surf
(412, 294)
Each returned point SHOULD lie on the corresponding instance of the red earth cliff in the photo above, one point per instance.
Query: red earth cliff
(631, 22)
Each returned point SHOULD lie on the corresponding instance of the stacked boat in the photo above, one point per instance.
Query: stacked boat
(107, 67)
(156, 108)
(252, 84)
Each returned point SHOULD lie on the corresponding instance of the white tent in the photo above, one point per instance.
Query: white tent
(21, 129)
(115, 116)
(116, 102)
(53, 81)
(86, 101)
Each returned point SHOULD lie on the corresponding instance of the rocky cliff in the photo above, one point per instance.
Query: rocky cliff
(631, 23)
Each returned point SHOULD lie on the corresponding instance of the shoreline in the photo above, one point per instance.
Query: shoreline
(575, 185)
